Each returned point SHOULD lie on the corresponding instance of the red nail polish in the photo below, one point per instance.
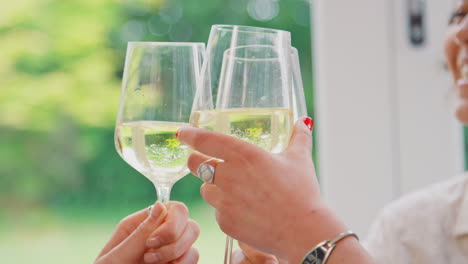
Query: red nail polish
(309, 122)
(177, 134)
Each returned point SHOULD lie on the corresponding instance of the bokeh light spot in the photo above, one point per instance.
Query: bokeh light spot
(133, 30)
(157, 26)
(301, 14)
(171, 13)
(263, 10)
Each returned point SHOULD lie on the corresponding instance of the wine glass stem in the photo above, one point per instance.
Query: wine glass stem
(228, 250)
(164, 192)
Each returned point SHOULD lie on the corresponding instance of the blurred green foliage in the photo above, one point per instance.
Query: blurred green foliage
(60, 71)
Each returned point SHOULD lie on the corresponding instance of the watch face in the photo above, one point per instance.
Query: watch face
(315, 257)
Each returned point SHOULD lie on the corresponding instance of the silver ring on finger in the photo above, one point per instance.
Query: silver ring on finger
(206, 171)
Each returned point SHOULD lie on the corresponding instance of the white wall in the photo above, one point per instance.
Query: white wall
(383, 119)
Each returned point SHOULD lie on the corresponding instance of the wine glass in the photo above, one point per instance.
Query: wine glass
(254, 100)
(159, 84)
(223, 37)
(299, 103)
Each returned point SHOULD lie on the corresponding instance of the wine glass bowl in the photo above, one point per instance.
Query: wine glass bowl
(158, 87)
(152, 149)
(254, 99)
(223, 37)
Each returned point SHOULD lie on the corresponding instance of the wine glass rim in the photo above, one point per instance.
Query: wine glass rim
(155, 43)
(249, 29)
(228, 53)
(293, 49)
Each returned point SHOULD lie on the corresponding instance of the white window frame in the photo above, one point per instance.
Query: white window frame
(384, 123)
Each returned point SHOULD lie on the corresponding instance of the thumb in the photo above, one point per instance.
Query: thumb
(238, 257)
(134, 246)
(301, 139)
(256, 256)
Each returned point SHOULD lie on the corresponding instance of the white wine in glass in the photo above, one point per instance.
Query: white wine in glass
(268, 128)
(158, 88)
(254, 100)
(152, 148)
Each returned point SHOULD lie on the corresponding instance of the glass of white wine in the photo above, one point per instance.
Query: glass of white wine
(255, 100)
(159, 84)
(223, 37)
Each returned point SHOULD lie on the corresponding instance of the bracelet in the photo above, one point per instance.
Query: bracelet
(320, 253)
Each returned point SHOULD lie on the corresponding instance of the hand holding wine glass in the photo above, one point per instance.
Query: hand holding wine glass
(264, 195)
(261, 197)
(255, 99)
(160, 80)
(132, 240)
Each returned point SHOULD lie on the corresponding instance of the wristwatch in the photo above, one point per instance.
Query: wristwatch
(320, 253)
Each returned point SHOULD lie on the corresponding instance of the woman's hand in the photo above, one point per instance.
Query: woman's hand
(164, 235)
(269, 201)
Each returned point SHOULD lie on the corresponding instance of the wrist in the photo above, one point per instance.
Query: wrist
(313, 227)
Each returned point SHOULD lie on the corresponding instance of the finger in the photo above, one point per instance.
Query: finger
(215, 144)
(196, 159)
(176, 249)
(124, 229)
(238, 257)
(134, 246)
(462, 86)
(211, 194)
(301, 139)
(190, 257)
(257, 256)
(172, 228)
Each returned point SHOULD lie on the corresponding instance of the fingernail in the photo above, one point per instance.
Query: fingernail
(154, 242)
(180, 130)
(271, 262)
(152, 257)
(309, 122)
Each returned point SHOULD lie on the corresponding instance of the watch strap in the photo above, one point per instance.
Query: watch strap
(320, 253)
